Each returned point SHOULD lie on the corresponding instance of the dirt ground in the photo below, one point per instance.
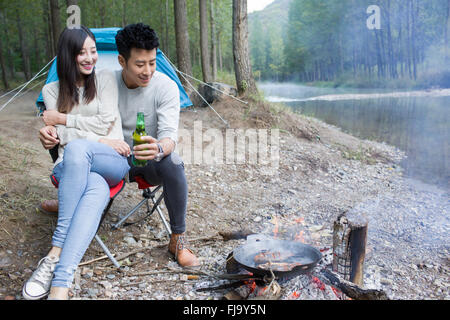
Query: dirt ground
(321, 172)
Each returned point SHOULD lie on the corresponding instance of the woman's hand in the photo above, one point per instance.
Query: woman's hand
(48, 137)
(119, 145)
(53, 117)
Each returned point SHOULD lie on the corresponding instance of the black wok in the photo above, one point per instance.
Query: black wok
(302, 258)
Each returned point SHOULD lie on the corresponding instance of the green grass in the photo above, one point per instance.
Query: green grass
(361, 154)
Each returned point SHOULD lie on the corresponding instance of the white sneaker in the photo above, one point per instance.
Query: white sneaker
(38, 286)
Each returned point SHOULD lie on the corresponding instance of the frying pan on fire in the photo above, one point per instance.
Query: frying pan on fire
(260, 254)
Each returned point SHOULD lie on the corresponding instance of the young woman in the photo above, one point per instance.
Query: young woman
(82, 114)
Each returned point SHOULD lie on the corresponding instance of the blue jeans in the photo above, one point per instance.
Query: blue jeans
(85, 175)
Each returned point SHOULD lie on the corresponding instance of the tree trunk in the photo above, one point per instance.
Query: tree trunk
(242, 66)
(164, 26)
(9, 50)
(447, 27)
(71, 2)
(124, 14)
(56, 23)
(219, 48)
(182, 39)
(102, 13)
(2, 64)
(167, 45)
(204, 47)
(23, 48)
(413, 39)
(213, 41)
(408, 38)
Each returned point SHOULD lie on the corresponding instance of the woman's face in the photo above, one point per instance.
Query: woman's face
(87, 58)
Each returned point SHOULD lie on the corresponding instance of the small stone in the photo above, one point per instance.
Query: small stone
(257, 219)
(110, 276)
(106, 284)
(98, 272)
(130, 241)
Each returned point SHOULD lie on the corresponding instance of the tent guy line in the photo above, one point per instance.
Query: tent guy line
(27, 83)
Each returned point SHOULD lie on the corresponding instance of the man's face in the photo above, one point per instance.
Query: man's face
(140, 67)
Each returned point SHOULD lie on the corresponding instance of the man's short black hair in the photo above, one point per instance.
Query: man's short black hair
(139, 36)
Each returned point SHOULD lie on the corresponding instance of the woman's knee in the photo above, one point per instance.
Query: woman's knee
(76, 151)
(98, 184)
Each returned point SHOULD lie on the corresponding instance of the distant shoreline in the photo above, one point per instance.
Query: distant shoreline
(360, 96)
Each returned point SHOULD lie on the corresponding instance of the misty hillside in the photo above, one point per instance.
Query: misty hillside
(274, 15)
(267, 33)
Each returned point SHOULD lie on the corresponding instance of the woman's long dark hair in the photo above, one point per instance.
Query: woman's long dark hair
(70, 44)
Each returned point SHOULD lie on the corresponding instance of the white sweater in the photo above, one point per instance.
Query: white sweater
(100, 118)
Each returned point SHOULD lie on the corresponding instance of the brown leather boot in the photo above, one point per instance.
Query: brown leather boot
(49, 207)
(178, 247)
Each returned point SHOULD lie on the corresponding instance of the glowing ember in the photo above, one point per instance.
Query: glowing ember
(318, 283)
(337, 292)
(295, 295)
(251, 285)
(300, 220)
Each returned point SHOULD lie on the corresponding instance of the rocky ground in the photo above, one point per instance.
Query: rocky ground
(321, 173)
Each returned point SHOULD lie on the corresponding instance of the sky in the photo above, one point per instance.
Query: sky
(255, 5)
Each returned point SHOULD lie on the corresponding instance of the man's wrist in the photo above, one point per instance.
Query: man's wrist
(160, 154)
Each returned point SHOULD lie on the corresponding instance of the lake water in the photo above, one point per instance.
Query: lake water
(418, 125)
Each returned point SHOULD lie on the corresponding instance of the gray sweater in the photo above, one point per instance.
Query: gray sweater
(160, 102)
(100, 118)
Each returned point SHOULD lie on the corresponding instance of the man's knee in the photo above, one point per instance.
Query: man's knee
(172, 161)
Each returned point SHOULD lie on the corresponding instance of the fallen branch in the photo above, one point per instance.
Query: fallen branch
(127, 254)
(235, 235)
(94, 260)
(199, 273)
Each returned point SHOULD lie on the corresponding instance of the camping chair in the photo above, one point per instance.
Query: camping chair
(147, 194)
(113, 192)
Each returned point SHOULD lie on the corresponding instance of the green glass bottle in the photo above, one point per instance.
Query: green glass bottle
(137, 134)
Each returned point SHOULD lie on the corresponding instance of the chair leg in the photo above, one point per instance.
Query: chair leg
(166, 225)
(118, 224)
(107, 252)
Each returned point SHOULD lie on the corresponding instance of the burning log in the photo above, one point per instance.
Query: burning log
(349, 246)
(351, 289)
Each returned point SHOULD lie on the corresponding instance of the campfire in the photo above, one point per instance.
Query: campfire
(269, 268)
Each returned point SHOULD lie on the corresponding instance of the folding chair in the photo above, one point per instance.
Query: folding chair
(148, 194)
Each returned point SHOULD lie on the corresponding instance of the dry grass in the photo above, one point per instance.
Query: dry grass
(20, 191)
(262, 114)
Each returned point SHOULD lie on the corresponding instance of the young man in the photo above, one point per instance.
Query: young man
(143, 89)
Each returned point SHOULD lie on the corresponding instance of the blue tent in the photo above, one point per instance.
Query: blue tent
(107, 51)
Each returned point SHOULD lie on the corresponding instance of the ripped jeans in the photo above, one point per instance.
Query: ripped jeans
(87, 171)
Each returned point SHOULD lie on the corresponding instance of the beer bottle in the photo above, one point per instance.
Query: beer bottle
(137, 134)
